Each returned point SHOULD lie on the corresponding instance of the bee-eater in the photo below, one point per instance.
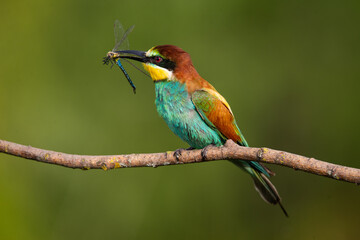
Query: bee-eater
(194, 110)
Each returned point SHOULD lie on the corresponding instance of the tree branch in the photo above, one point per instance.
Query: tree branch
(230, 151)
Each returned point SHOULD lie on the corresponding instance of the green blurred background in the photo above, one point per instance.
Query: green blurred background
(289, 69)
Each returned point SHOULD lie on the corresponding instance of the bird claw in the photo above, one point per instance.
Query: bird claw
(178, 152)
(205, 150)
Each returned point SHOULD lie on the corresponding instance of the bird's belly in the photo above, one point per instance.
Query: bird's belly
(174, 105)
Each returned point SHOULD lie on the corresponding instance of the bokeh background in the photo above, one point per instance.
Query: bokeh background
(289, 69)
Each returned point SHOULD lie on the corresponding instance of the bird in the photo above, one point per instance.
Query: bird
(194, 110)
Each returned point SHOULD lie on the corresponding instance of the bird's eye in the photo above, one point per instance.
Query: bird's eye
(158, 59)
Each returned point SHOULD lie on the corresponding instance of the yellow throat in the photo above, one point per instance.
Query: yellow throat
(157, 73)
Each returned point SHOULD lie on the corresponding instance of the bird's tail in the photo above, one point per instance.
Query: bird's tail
(262, 183)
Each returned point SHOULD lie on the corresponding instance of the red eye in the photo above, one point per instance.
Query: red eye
(158, 59)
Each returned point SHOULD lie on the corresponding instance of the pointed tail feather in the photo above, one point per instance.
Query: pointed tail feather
(267, 190)
(262, 184)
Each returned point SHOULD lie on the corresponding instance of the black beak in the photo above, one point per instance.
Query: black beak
(137, 55)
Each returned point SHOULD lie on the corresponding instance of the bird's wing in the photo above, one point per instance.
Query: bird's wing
(216, 112)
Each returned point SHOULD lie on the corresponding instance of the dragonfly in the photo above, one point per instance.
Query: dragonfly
(121, 41)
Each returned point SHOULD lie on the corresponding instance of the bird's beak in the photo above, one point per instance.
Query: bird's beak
(129, 54)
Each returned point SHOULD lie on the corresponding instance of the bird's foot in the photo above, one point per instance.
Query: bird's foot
(179, 151)
(205, 150)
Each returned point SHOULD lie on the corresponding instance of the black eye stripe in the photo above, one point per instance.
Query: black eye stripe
(164, 63)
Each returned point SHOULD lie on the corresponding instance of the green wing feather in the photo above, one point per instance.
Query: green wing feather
(205, 103)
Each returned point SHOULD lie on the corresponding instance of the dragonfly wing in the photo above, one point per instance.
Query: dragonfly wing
(118, 33)
(121, 37)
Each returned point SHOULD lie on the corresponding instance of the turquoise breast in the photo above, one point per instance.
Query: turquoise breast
(174, 105)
